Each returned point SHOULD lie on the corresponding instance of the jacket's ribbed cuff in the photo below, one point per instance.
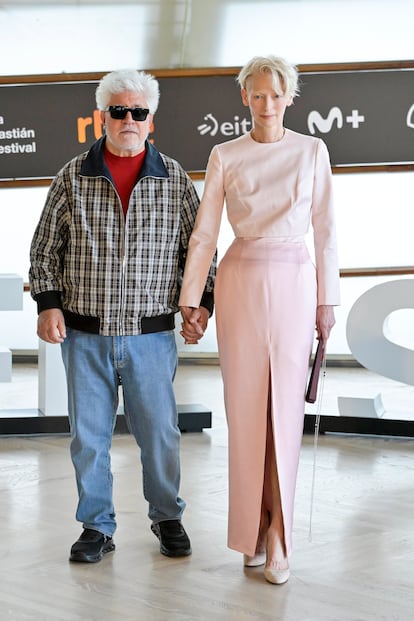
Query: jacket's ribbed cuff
(47, 300)
(207, 300)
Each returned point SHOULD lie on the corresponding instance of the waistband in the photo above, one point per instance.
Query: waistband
(92, 325)
(281, 239)
(269, 250)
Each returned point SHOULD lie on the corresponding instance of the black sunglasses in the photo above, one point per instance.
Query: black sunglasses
(120, 112)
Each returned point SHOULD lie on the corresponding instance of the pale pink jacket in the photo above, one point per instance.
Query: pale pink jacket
(276, 190)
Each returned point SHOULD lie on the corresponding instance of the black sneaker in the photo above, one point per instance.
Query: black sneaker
(174, 540)
(91, 547)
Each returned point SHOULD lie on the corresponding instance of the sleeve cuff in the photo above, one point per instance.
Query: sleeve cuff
(207, 301)
(47, 300)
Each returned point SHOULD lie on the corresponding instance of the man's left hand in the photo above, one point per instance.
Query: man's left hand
(194, 323)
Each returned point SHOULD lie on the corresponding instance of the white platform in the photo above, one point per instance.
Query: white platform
(5, 364)
(53, 399)
(11, 298)
(11, 292)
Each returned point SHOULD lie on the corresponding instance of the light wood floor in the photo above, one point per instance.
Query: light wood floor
(357, 567)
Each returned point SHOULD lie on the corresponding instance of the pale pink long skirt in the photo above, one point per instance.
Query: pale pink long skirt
(265, 298)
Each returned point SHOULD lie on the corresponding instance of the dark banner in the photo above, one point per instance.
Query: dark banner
(365, 117)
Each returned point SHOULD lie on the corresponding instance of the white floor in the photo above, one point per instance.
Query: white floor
(356, 566)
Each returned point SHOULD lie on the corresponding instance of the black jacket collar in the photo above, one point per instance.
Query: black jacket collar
(94, 163)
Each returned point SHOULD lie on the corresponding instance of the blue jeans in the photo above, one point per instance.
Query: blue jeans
(145, 365)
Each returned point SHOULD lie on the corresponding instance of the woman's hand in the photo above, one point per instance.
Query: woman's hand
(325, 321)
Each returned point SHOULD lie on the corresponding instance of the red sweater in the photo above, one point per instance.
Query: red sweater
(124, 172)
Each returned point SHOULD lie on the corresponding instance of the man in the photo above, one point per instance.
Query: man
(107, 259)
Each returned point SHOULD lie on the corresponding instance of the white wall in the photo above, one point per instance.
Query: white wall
(88, 35)
(375, 211)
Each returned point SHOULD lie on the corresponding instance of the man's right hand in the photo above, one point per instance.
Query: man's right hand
(51, 326)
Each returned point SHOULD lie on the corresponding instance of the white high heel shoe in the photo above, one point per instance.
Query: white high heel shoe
(254, 561)
(275, 548)
(276, 576)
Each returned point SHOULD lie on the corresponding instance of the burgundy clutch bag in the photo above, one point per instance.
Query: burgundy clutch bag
(312, 389)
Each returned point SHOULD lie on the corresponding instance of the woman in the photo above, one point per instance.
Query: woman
(269, 295)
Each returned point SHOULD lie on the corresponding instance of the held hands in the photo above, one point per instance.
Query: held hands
(51, 326)
(325, 321)
(194, 323)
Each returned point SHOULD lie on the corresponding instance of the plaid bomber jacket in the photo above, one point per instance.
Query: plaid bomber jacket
(107, 272)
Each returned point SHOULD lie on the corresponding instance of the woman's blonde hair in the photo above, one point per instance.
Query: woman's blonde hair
(285, 75)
